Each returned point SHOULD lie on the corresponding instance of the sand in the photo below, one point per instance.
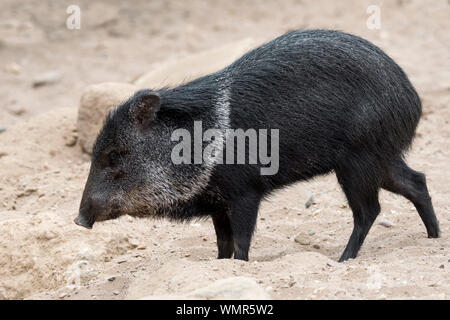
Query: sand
(43, 254)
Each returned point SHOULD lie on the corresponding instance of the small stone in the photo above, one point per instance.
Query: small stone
(17, 110)
(302, 239)
(62, 295)
(72, 141)
(315, 213)
(316, 246)
(187, 255)
(2, 129)
(205, 239)
(46, 78)
(13, 68)
(115, 292)
(441, 266)
(310, 200)
(111, 278)
(134, 243)
(385, 223)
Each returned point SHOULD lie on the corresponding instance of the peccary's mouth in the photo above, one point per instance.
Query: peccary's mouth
(81, 221)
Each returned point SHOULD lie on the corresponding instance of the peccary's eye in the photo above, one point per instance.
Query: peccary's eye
(113, 158)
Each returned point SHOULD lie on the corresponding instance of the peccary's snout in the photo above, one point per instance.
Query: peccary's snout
(82, 221)
(91, 210)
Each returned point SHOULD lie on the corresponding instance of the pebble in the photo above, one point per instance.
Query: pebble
(310, 200)
(13, 68)
(134, 243)
(302, 239)
(112, 279)
(17, 110)
(2, 129)
(316, 246)
(187, 255)
(385, 223)
(115, 292)
(72, 141)
(46, 78)
(315, 213)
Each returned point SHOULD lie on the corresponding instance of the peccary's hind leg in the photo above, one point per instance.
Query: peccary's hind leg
(401, 179)
(361, 189)
(224, 234)
(244, 212)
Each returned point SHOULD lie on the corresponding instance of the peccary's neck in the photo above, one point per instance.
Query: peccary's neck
(197, 100)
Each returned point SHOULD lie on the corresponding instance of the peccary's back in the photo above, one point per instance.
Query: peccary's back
(328, 92)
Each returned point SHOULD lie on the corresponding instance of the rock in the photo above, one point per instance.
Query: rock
(46, 78)
(315, 213)
(173, 73)
(96, 101)
(385, 223)
(2, 129)
(310, 200)
(71, 140)
(116, 293)
(13, 68)
(302, 239)
(234, 288)
(134, 243)
(17, 110)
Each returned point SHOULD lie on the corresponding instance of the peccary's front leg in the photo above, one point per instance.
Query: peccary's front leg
(244, 212)
(224, 235)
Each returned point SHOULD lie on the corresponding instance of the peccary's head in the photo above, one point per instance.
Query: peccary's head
(130, 163)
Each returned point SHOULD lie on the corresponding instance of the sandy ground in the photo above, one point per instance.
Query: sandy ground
(42, 173)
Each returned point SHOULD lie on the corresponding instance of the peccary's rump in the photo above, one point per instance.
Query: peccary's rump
(332, 101)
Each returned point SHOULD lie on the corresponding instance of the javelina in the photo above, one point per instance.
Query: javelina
(340, 104)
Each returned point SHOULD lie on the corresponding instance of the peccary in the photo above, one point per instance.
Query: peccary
(339, 102)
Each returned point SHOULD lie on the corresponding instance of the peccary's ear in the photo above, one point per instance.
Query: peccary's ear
(144, 106)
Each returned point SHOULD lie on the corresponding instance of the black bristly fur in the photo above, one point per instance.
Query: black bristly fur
(341, 105)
